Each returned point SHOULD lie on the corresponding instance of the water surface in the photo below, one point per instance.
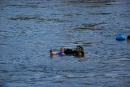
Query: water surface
(29, 29)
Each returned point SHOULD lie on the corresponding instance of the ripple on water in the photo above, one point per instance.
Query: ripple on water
(36, 18)
(91, 26)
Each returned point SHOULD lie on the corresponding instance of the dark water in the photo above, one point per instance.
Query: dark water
(29, 28)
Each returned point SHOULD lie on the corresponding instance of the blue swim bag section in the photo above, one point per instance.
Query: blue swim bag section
(121, 37)
(61, 54)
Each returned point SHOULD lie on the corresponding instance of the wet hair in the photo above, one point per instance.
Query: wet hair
(79, 48)
(128, 38)
(62, 49)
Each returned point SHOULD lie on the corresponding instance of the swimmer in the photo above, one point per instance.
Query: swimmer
(79, 51)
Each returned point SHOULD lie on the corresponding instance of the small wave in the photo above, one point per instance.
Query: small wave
(23, 6)
(35, 18)
(99, 13)
(91, 26)
(26, 17)
(4, 37)
(75, 76)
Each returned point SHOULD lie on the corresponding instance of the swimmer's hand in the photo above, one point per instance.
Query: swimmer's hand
(50, 50)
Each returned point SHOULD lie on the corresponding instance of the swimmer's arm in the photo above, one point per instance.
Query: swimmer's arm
(54, 53)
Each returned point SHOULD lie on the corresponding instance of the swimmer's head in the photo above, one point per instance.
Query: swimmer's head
(128, 38)
(62, 49)
(79, 48)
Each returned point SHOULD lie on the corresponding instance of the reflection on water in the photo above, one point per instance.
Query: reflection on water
(29, 29)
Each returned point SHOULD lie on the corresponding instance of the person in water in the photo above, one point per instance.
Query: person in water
(128, 38)
(79, 51)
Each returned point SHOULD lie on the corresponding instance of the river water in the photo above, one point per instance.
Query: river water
(30, 28)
